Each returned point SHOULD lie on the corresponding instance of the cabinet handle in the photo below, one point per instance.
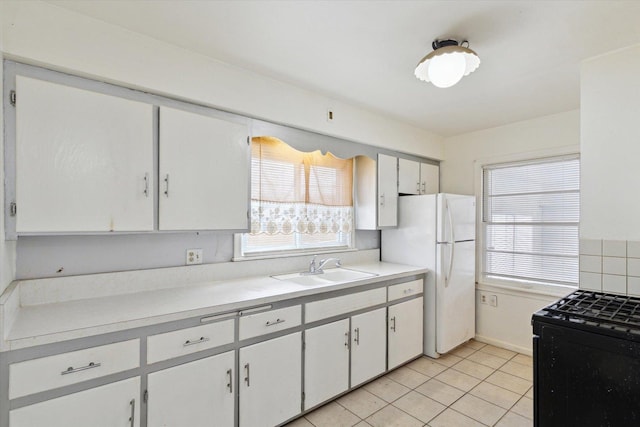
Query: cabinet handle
(166, 185)
(72, 370)
(146, 185)
(424, 187)
(346, 340)
(393, 319)
(275, 323)
(408, 291)
(246, 378)
(418, 186)
(230, 383)
(133, 412)
(198, 341)
(382, 199)
(357, 334)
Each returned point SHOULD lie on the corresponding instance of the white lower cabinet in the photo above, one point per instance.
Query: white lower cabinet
(368, 345)
(405, 331)
(326, 362)
(195, 394)
(270, 381)
(115, 404)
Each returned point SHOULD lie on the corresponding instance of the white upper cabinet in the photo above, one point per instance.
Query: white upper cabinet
(84, 160)
(417, 178)
(408, 177)
(387, 191)
(204, 172)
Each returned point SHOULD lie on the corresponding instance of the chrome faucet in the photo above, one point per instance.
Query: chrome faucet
(318, 269)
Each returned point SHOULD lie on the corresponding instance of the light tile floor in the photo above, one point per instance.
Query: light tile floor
(474, 385)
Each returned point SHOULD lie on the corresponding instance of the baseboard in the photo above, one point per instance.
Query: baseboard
(504, 344)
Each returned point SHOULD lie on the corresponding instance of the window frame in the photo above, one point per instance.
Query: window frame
(543, 288)
(239, 253)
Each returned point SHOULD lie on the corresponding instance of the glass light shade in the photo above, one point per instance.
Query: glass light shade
(444, 67)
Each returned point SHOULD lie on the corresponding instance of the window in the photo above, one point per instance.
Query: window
(530, 219)
(299, 201)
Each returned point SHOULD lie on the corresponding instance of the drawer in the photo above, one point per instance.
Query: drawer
(190, 340)
(46, 373)
(270, 321)
(407, 289)
(319, 310)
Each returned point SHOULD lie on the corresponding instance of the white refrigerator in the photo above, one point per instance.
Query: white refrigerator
(438, 231)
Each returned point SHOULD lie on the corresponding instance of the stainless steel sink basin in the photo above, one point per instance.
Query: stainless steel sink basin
(330, 276)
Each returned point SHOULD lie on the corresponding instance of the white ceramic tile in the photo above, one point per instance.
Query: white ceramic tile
(590, 247)
(633, 286)
(591, 263)
(614, 265)
(591, 281)
(633, 249)
(633, 267)
(614, 248)
(615, 284)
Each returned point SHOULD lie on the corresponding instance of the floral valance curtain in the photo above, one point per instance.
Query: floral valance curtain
(294, 191)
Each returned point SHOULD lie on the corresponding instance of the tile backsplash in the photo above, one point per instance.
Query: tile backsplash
(610, 266)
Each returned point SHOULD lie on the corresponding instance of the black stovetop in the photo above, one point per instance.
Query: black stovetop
(611, 312)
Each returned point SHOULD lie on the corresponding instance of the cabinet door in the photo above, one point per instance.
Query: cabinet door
(271, 381)
(326, 362)
(115, 404)
(204, 172)
(405, 331)
(429, 178)
(408, 177)
(387, 191)
(196, 394)
(368, 345)
(84, 160)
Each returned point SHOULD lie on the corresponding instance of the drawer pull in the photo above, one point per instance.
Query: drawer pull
(198, 341)
(275, 323)
(72, 370)
(408, 291)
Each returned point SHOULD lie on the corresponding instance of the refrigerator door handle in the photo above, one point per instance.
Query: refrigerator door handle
(452, 254)
(446, 206)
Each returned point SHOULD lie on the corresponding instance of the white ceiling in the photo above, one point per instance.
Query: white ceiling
(364, 52)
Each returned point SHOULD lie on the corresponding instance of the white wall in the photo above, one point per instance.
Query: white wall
(509, 324)
(526, 139)
(610, 146)
(43, 34)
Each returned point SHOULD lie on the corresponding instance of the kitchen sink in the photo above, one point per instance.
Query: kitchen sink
(330, 276)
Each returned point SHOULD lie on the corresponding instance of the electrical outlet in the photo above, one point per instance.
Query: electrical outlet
(484, 299)
(194, 256)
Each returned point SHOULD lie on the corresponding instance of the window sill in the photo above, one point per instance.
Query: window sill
(292, 254)
(529, 289)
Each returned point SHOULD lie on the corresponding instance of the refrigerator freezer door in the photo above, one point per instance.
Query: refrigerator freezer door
(414, 241)
(456, 217)
(455, 294)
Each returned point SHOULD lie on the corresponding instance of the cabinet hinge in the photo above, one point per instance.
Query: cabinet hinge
(12, 97)
(13, 209)
(145, 396)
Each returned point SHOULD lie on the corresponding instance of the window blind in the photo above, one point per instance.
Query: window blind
(531, 215)
(299, 200)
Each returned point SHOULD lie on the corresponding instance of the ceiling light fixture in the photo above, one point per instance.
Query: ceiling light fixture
(448, 63)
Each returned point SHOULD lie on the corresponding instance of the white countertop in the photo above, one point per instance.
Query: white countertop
(31, 325)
